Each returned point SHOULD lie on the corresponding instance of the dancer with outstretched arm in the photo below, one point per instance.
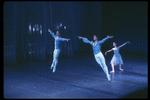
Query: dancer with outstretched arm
(116, 59)
(56, 52)
(97, 52)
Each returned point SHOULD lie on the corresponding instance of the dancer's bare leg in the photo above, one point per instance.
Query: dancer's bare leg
(113, 71)
(120, 67)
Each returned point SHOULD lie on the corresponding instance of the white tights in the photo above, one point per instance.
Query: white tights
(55, 59)
(101, 61)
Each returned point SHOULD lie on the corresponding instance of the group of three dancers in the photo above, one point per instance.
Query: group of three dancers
(96, 44)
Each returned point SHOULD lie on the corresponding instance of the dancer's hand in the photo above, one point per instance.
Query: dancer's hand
(111, 37)
(128, 42)
(105, 53)
(68, 40)
(79, 37)
(49, 30)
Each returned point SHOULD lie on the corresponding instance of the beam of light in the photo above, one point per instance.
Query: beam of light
(33, 29)
(65, 27)
(37, 27)
(60, 24)
(30, 27)
(40, 32)
(40, 29)
(30, 52)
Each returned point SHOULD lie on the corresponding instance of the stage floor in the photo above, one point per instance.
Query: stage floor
(77, 77)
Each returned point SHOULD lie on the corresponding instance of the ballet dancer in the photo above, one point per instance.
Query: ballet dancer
(116, 59)
(97, 52)
(56, 52)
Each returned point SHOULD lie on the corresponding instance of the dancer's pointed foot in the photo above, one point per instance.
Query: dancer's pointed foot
(121, 69)
(51, 67)
(54, 69)
(108, 77)
(112, 71)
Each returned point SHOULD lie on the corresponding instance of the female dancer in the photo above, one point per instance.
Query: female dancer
(116, 59)
(97, 52)
(56, 52)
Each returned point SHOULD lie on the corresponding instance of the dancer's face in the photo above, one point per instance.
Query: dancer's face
(57, 33)
(114, 44)
(95, 38)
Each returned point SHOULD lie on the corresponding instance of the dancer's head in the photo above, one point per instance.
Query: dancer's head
(58, 33)
(95, 38)
(114, 44)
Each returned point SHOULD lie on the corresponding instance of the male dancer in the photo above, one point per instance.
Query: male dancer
(97, 52)
(56, 52)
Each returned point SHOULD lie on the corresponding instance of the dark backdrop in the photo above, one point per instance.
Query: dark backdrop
(25, 27)
(126, 21)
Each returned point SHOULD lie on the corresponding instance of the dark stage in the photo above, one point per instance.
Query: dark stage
(28, 49)
(77, 77)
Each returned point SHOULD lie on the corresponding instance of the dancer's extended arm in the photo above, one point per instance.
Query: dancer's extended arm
(105, 39)
(108, 51)
(54, 36)
(63, 39)
(123, 44)
(85, 40)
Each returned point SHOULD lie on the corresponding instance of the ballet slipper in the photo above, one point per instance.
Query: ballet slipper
(121, 69)
(54, 69)
(112, 71)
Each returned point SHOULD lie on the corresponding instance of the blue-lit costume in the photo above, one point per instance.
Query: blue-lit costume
(98, 54)
(116, 59)
(56, 51)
